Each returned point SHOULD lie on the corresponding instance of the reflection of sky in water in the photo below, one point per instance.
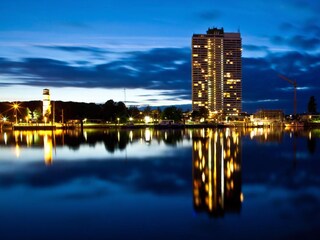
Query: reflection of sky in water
(150, 196)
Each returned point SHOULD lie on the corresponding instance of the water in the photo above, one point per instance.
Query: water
(169, 184)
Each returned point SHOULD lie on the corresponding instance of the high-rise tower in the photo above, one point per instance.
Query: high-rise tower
(216, 72)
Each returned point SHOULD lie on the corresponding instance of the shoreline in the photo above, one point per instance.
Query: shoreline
(141, 126)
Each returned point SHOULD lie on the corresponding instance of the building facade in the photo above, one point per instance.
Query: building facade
(217, 72)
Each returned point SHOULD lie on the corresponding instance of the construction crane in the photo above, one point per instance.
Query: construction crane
(294, 84)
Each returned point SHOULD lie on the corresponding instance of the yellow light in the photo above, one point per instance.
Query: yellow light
(147, 135)
(203, 177)
(17, 150)
(47, 145)
(241, 197)
(147, 119)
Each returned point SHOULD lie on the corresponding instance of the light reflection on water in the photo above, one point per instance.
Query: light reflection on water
(59, 145)
(175, 183)
(217, 172)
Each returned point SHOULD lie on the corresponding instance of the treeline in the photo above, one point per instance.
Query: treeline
(110, 111)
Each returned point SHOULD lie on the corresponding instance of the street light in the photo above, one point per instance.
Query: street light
(147, 119)
(15, 107)
(118, 119)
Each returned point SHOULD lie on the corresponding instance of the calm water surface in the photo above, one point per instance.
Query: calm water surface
(169, 184)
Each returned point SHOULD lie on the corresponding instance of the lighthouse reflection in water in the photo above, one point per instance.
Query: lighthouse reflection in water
(217, 172)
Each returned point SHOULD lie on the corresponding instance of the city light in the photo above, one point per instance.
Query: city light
(15, 107)
(147, 119)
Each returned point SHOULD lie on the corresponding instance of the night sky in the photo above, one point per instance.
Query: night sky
(140, 51)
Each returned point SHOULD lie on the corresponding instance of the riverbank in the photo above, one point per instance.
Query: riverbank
(141, 126)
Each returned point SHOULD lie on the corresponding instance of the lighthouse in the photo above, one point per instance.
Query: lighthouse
(46, 107)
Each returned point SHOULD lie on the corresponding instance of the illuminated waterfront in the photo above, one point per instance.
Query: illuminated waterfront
(173, 184)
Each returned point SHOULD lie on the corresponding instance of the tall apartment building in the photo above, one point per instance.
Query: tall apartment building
(216, 72)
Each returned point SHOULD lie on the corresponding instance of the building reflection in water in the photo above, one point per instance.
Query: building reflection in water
(217, 172)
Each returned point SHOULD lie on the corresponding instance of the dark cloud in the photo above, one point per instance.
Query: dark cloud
(182, 94)
(161, 68)
(255, 48)
(301, 42)
(287, 26)
(92, 50)
(261, 80)
(310, 27)
(210, 15)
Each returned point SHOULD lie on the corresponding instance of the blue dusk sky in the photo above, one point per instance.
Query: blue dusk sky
(140, 51)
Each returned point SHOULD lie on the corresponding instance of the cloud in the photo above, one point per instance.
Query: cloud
(286, 26)
(261, 81)
(209, 15)
(181, 94)
(93, 50)
(298, 41)
(255, 48)
(159, 68)
(309, 27)
(260, 101)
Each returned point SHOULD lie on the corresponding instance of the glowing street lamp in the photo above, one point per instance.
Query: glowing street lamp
(15, 107)
(147, 119)
(118, 119)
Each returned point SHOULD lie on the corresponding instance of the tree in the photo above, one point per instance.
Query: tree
(312, 105)
(172, 113)
(133, 112)
(121, 111)
(147, 111)
(203, 112)
(109, 110)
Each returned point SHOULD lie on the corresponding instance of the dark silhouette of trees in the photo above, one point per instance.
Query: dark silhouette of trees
(312, 105)
(114, 110)
(147, 111)
(172, 113)
(110, 111)
(203, 112)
